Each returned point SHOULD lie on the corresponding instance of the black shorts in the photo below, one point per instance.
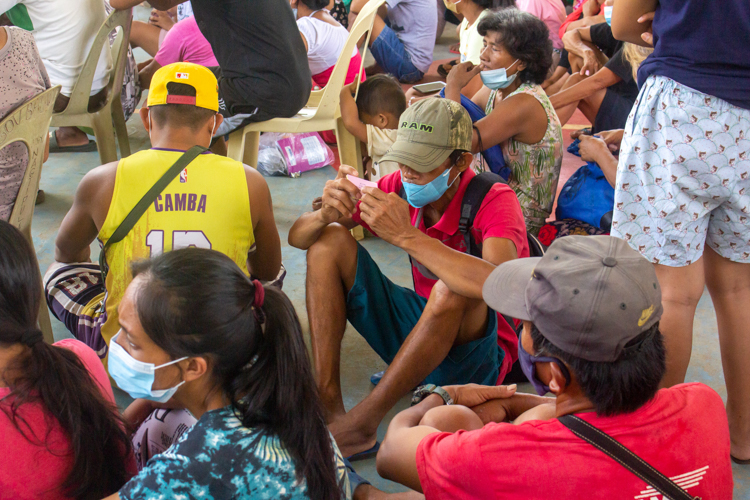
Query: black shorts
(613, 113)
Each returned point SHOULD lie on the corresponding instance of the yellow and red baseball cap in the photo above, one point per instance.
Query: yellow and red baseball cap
(197, 76)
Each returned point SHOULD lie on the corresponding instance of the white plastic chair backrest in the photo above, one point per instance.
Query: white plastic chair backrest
(79, 97)
(329, 101)
(29, 124)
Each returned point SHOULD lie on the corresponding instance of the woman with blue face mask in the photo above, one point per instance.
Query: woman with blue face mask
(519, 117)
(197, 333)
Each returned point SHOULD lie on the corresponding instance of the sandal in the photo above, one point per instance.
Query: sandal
(54, 147)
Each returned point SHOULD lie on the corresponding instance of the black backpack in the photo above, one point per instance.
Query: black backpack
(477, 189)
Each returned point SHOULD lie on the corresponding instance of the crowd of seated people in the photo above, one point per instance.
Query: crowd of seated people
(185, 312)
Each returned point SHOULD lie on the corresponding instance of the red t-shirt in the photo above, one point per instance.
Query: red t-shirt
(499, 216)
(682, 432)
(36, 471)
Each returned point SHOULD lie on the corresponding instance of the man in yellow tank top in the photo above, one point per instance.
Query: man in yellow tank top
(215, 203)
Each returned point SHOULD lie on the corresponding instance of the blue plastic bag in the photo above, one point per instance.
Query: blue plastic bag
(587, 196)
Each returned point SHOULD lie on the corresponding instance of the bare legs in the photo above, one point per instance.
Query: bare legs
(448, 320)
(681, 289)
(729, 285)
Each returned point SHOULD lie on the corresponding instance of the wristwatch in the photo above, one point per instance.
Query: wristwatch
(423, 391)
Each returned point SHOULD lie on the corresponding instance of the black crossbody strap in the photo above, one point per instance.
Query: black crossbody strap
(140, 208)
(625, 457)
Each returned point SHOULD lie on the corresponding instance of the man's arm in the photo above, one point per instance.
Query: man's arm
(397, 457)
(625, 20)
(145, 75)
(601, 80)
(265, 262)
(157, 4)
(81, 225)
(388, 216)
(339, 203)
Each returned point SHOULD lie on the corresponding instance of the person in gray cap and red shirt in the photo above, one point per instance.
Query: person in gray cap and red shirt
(591, 308)
(435, 332)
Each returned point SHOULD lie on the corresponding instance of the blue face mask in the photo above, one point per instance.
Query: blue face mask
(420, 196)
(528, 366)
(136, 377)
(608, 14)
(294, 11)
(495, 79)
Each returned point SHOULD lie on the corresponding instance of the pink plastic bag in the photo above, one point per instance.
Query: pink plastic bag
(303, 152)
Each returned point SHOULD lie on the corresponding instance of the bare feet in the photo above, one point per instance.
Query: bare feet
(369, 492)
(350, 437)
(70, 136)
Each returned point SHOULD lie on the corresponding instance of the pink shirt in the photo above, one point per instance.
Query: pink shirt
(682, 432)
(185, 43)
(552, 12)
(30, 471)
(499, 216)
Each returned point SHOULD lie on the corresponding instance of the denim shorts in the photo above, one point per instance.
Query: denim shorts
(385, 313)
(391, 55)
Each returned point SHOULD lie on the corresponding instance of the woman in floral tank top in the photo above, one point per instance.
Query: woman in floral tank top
(519, 117)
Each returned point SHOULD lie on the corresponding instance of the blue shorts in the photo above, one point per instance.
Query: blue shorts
(391, 55)
(385, 313)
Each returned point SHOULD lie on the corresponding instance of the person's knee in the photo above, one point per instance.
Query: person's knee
(443, 299)
(334, 241)
(452, 419)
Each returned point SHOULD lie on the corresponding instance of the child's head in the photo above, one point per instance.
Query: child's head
(381, 101)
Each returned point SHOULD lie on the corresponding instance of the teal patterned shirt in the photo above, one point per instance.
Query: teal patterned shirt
(221, 459)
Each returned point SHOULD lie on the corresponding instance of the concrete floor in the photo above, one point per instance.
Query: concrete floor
(291, 197)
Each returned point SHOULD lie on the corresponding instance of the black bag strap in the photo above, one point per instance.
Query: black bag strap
(140, 208)
(475, 192)
(625, 457)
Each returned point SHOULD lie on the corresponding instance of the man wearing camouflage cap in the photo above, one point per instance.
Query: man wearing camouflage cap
(438, 333)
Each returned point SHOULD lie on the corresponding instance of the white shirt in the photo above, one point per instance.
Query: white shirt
(325, 42)
(64, 31)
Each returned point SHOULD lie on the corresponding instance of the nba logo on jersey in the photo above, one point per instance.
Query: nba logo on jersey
(182, 76)
(183, 176)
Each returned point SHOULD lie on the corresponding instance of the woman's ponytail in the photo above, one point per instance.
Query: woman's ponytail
(280, 395)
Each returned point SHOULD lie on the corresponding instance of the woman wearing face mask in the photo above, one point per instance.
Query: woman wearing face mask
(196, 333)
(61, 434)
(514, 63)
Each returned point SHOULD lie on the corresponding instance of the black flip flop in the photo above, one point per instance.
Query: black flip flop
(54, 147)
(740, 462)
(363, 455)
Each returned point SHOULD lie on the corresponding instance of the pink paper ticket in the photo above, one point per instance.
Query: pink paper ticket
(361, 183)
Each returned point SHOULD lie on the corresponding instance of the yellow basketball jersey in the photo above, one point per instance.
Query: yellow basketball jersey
(206, 206)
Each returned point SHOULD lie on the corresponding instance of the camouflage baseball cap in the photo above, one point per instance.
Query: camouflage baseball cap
(428, 132)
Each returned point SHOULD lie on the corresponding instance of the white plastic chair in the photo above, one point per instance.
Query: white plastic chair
(29, 124)
(322, 111)
(76, 114)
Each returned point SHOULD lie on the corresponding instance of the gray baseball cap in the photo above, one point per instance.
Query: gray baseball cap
(588, 295)
(428, 132)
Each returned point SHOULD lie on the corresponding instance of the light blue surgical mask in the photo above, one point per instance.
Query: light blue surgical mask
(608, 14)
(136, 377)
(294, 11)
(495, 79)
(419, 196)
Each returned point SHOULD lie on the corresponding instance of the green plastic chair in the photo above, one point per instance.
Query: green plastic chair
(29, 124)
(77, 114)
